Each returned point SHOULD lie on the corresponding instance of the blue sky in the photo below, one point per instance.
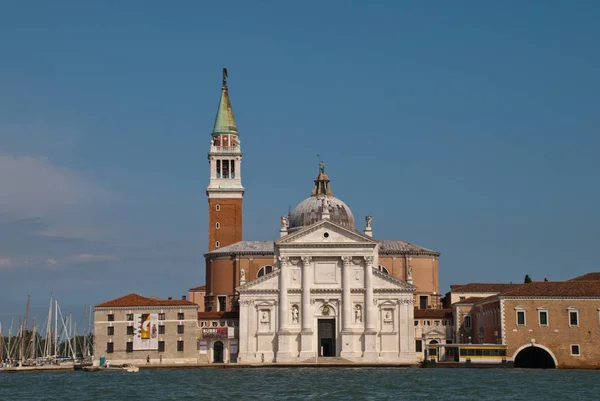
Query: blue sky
(470, 128)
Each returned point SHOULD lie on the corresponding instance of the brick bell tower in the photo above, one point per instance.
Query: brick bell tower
(225, 191)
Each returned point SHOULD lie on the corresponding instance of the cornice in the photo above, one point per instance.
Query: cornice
(328, 245)
(103, 308)
(549, 298)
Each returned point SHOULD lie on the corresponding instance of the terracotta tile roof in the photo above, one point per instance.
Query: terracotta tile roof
(469, 300)
(399, 246)
(138, 300)
(575, 288)
(218, 315)
(199, 288)
(483, 287)
(594, 276)
(433, 313)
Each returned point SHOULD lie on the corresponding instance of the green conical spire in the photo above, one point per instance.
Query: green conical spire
(224, 123)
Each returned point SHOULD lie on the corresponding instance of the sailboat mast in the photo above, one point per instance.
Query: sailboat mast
(48, 344)
(55, 328)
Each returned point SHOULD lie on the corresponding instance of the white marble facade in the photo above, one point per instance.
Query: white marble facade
(325, 298)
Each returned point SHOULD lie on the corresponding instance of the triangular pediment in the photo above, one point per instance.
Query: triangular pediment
(326, 232)
(435, 333)
(268, 282)
(382, 281)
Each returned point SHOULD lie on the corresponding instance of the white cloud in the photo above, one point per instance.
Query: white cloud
(5, 262)
(34, 187)
(90, 258)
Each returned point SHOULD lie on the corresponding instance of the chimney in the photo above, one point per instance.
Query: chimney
(170, 298)
(183, 298)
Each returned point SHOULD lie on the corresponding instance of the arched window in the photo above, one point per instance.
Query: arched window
(217, 225)
(382, 269)
(218, 207)
(217, 244)
(264, 270)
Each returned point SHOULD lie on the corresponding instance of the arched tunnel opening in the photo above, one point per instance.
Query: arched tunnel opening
(534, 358)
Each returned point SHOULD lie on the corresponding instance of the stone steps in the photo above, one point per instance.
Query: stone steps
(328, 360)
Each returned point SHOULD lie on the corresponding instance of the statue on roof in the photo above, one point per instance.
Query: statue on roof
(225, 77)
(321, 167)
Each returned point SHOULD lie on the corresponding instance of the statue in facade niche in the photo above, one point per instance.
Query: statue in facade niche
(295, 314)
(409, 270)
(357, 314)
(242, 274)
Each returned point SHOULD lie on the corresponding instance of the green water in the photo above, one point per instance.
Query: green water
(304, 383)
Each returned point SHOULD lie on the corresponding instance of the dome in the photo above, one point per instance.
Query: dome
(310, 210)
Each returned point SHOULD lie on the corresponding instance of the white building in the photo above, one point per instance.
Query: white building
(326, 296)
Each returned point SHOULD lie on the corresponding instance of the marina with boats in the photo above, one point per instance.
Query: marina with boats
(56, 344)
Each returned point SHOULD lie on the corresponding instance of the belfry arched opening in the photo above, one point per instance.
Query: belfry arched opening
(534, 358)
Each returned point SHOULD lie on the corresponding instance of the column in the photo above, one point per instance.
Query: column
(346, 300)
(283, 335)
(306, 335)
(370, 310)
(371, 352)
(307, 318)
(349, 337)
(283, 293)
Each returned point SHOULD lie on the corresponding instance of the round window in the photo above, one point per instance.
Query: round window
(326, 235)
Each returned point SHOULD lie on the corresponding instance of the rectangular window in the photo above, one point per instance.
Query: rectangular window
(468, 321)
(543, 318)
(129, 347)
(203, 324)
(423, 301)
(110, 331)
(130, 317)
(180, 345)
(575, 350)
(218, 168)
(180, 329)
(462, 299)
(233, 169)
(418, 345)
(215, 324)
(573, 318)
(129, 330)
(161, 346)
(161, 329)
(180, 316)
(520, 318)
(161, 316)
(110, 317)
(222, 303)
(110, 348)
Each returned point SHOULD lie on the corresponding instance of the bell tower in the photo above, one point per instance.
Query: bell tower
(225, 191)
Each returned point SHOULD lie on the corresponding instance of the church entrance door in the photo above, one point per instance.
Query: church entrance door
(218, 352)
(326, 337)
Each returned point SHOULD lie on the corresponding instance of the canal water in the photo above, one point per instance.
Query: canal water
(304, 384)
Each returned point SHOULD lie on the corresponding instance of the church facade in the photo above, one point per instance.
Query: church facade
(323, 288)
